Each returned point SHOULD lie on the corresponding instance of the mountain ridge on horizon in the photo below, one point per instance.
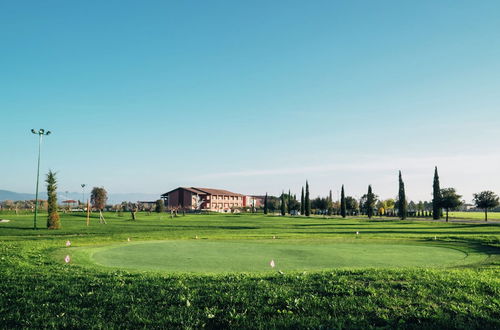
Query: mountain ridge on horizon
(113, 198)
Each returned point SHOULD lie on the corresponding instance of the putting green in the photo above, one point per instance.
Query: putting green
(255, 256)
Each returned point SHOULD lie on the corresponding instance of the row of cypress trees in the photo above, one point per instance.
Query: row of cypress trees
(402, 203)
(305, 202)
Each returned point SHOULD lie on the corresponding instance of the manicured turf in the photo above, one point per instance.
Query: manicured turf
(38, 289)
(202, 256)
(493, 216)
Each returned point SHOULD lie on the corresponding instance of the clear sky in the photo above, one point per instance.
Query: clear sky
(252, 96)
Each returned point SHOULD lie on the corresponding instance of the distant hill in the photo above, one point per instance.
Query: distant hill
(112, 198)
(10, 195)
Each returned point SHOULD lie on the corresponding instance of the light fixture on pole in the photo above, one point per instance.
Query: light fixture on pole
(41, 132)
(83, 192)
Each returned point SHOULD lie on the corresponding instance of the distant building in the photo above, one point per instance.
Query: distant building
(206, 199)
(146, 205)
(467, 207)
(255, 201)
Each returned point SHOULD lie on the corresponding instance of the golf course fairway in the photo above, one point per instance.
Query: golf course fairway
(204, 256)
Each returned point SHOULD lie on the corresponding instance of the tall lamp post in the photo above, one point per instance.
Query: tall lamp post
(83, 195)
(41, 132)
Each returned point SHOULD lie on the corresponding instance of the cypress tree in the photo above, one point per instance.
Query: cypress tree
(330, 203)
(289, 201)
(436, 197)
(370, 202)
(307, 201)
(343, 206)
(402, 211)
(283, 204)
(302, 203)
(265, 205)
(53, 221)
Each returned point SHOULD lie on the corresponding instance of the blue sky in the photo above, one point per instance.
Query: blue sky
(144, 96)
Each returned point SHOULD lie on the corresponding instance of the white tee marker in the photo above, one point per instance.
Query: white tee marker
(357, 233)
(68, 243)
(67, 259)
(272, 264)
(128, 239)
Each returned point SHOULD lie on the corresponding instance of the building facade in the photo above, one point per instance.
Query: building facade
(206, 199)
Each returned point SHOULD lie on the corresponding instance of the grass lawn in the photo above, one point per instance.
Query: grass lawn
(475, 215)
(205, 256)
(393, 274)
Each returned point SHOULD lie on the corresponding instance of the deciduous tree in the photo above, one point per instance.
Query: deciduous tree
(450, 200)
(486, 200)
(389, 205)
(98, 198)
(380, 208)
(351, 205)
(273, 203)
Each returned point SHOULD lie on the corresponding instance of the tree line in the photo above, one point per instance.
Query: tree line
(444, 200)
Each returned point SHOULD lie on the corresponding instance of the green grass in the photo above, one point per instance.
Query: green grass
(205, 256)
(475, 215)
(37, 289)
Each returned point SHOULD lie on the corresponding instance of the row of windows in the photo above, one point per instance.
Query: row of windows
(226, 198)
(221, 205)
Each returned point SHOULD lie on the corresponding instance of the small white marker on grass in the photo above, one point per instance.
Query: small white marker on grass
(272, 264)
(128, 239)
(68, 243)
(357, 233)
(67, 259)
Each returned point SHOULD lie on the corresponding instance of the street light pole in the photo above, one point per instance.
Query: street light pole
(83, 195)
(41, 132)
